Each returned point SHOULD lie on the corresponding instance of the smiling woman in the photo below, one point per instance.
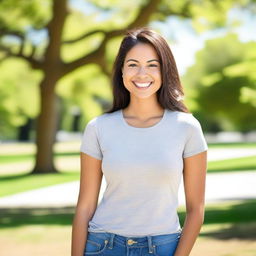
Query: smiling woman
(143, 145)
(144, 56)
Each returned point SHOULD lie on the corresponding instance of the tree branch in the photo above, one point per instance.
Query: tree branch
(55, 30)
(87, 34)
(145, 13)
(97, 56)
(5, 32)
(8, 53)
(185, 11)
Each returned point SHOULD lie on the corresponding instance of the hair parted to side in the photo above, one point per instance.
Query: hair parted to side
(170, 94)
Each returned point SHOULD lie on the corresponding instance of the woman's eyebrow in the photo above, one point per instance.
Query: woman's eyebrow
(138, 61)
(132, 60)
(153, 60)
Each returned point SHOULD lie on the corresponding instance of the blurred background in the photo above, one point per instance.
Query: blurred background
(56, 59)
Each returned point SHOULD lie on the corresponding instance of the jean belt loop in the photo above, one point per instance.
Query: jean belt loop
(150, 246)
(111, 241)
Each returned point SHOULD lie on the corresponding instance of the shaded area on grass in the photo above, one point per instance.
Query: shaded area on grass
(16, 217)
(241, 217)
(243, 211)
(241, 231)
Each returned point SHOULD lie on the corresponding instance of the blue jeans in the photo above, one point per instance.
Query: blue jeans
(109, 244)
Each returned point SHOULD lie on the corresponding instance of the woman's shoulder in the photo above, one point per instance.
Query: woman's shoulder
(186, 118)
(103, 118)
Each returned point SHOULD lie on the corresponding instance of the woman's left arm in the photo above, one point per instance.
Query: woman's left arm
(194, 176)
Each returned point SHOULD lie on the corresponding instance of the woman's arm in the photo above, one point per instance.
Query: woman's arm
(90, 182)
(194, 176)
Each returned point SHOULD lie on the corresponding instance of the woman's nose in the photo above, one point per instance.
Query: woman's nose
(142, 71)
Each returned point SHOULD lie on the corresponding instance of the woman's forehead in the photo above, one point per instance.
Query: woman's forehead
(142, 51)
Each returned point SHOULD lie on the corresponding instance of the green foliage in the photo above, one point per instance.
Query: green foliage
(36, 12)
(80, 48)
(245, 69)
(82, 88)
(222, 78)
(19, 94)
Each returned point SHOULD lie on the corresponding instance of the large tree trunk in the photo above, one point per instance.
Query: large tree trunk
(46, 126)
(52, 67)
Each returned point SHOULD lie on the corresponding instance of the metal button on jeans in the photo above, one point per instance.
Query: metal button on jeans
(130, 242)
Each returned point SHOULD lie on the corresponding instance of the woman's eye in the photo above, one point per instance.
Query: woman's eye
(153, 65)
(132, 65)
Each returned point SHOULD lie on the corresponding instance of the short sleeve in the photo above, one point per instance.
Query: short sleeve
(90, 141)
(196, 142)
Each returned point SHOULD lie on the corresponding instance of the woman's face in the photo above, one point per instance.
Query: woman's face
(142, 71)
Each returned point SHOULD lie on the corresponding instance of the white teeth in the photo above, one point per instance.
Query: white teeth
(142, 84)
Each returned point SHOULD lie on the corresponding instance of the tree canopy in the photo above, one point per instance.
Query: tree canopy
(222, 81)
(59, 37)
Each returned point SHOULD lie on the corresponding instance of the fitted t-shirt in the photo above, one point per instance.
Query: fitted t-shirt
(143, 169)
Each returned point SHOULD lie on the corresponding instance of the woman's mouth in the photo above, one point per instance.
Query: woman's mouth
(142, 85)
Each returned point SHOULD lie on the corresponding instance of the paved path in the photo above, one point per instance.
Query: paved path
(220, 187)
(228, 153)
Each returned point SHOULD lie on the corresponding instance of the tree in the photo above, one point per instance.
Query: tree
(14, 108)
(223, 86)
(52, 18)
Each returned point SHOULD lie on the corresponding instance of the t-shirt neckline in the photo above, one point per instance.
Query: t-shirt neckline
(142, 128)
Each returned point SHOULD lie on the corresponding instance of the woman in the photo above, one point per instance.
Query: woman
(143, 145)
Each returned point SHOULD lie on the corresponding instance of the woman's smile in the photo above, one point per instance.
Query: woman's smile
(144, 85)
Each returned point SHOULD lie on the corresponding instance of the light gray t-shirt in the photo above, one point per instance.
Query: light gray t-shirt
(143, 169)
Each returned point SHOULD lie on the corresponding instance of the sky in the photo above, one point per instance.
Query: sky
(187, 42)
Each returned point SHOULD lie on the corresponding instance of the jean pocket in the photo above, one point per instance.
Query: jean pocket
(167, 248)
(95, 245)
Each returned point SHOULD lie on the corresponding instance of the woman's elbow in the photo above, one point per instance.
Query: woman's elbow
(197, 213)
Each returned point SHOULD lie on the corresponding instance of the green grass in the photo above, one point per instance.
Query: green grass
(234, 164)
(12, 184)
(233, 145)
(5, 159)
(231, 212)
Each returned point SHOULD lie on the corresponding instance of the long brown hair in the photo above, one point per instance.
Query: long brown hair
(170, 93)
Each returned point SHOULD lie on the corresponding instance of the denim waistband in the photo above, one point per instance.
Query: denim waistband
(132, 241)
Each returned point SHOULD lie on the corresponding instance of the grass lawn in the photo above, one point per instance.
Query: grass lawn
(233, 145)
(234, 164)
(229, 230)
(23, 182)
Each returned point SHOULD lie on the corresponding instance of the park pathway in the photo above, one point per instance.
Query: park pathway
(220, 187)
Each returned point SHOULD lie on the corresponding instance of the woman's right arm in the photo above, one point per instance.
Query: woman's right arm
(90, 183)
